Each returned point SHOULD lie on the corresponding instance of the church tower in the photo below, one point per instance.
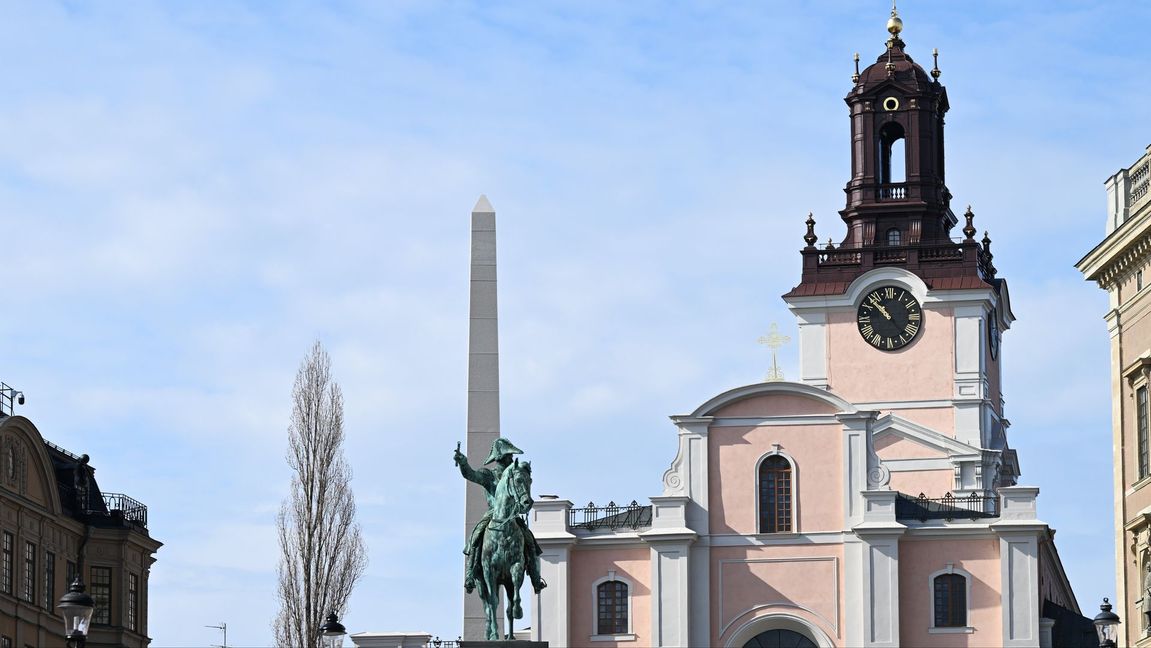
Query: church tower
(904, 315)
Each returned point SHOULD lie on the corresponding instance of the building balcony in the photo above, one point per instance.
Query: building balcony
(947, 508)
(103, 509)
(610, 518)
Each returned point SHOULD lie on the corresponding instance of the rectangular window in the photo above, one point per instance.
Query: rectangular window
(28, 591)
(6, 563)
(101, 592)
(69, 574)
(133, 601)
(1141, 416)
(5, 642)
(49, 581)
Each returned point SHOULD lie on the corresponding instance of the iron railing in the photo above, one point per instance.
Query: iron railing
(71, 455)
(109, 506)
(947, 508)
(133, 511)
(612, 516)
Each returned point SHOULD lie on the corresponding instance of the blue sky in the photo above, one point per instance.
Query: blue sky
(192, 192)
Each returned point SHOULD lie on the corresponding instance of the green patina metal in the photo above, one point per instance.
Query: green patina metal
(501, 549)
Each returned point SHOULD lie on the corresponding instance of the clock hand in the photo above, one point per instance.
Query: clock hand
(883, 311)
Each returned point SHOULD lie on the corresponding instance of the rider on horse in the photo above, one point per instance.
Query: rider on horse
(501, 456)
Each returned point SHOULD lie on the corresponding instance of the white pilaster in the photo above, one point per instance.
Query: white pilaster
(858, 455)
(688, 477)
(670, 542)
(813, 348)
(550, 621)
(1019, 530)
(878, 572)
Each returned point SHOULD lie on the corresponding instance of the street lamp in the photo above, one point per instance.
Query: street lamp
(1107, 625)
(332, 632)
(76, 607)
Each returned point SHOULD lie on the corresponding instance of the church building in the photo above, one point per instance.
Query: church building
(875, 501)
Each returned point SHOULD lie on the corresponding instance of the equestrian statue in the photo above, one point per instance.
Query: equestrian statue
(501, 548)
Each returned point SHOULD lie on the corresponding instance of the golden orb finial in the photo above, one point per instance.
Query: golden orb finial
(894, 23)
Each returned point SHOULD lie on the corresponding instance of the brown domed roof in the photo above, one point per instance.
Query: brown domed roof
(896, 65)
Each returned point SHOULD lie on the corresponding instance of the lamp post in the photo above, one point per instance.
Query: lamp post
(332, 632)
(1107, 625)
(76, 607)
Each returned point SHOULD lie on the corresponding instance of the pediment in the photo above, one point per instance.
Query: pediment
(771, 399)
(898, 438)
(25, 467)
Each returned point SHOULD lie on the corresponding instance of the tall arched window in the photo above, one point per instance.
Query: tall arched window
(892, 156)
(894, 236)
(611, 607)
(950, 600)
(775, 480)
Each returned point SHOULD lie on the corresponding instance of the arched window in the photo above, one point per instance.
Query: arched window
(894, 236)
(950, 600)
(775, 495)
(892, 156)
(611, 607)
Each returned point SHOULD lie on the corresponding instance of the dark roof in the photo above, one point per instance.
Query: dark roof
(82, 499)
(907, 72)
(1071, 630)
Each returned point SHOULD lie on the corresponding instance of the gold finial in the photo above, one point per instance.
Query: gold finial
(935, 72)
(855, 77)
(773, 340)
(894, 23)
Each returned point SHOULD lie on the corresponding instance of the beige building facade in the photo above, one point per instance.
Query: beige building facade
(55, 523)
(1121, 265)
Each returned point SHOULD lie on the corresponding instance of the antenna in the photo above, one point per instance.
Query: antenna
(223, 627)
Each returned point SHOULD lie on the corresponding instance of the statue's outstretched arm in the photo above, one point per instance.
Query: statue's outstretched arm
(483, 477)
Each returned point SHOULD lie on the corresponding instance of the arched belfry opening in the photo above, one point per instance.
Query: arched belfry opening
(892, 165)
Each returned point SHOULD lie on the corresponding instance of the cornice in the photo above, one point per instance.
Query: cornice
(1119, 253)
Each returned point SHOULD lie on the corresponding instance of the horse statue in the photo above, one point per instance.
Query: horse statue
(502, 555)
(501, 548)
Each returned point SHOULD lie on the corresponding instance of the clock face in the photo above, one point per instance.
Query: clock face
(993, 333)
(889, 318)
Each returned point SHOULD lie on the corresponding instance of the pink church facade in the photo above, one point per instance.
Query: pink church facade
(874, 500)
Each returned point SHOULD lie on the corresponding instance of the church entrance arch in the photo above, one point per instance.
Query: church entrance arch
(780, 638)
(778, 631)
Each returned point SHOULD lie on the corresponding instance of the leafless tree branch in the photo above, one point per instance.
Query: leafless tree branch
(322, 552)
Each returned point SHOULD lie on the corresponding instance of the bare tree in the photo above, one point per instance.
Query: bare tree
(322, 553)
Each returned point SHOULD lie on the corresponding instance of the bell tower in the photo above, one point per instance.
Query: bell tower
(904, 315)
(896, 194)
(898, 211)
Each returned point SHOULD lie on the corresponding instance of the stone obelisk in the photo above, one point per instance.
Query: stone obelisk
(483, 384)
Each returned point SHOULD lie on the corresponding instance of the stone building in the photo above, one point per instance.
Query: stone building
(56, 523)
(1119, 264)
(875, 500)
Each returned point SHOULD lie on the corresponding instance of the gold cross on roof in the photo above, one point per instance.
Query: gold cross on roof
(773, 340)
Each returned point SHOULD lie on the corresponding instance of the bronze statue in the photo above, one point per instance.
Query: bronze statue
(501, 548)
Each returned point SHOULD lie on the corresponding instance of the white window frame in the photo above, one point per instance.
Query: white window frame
(950, 569)
(777, 452)
(612, 575)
